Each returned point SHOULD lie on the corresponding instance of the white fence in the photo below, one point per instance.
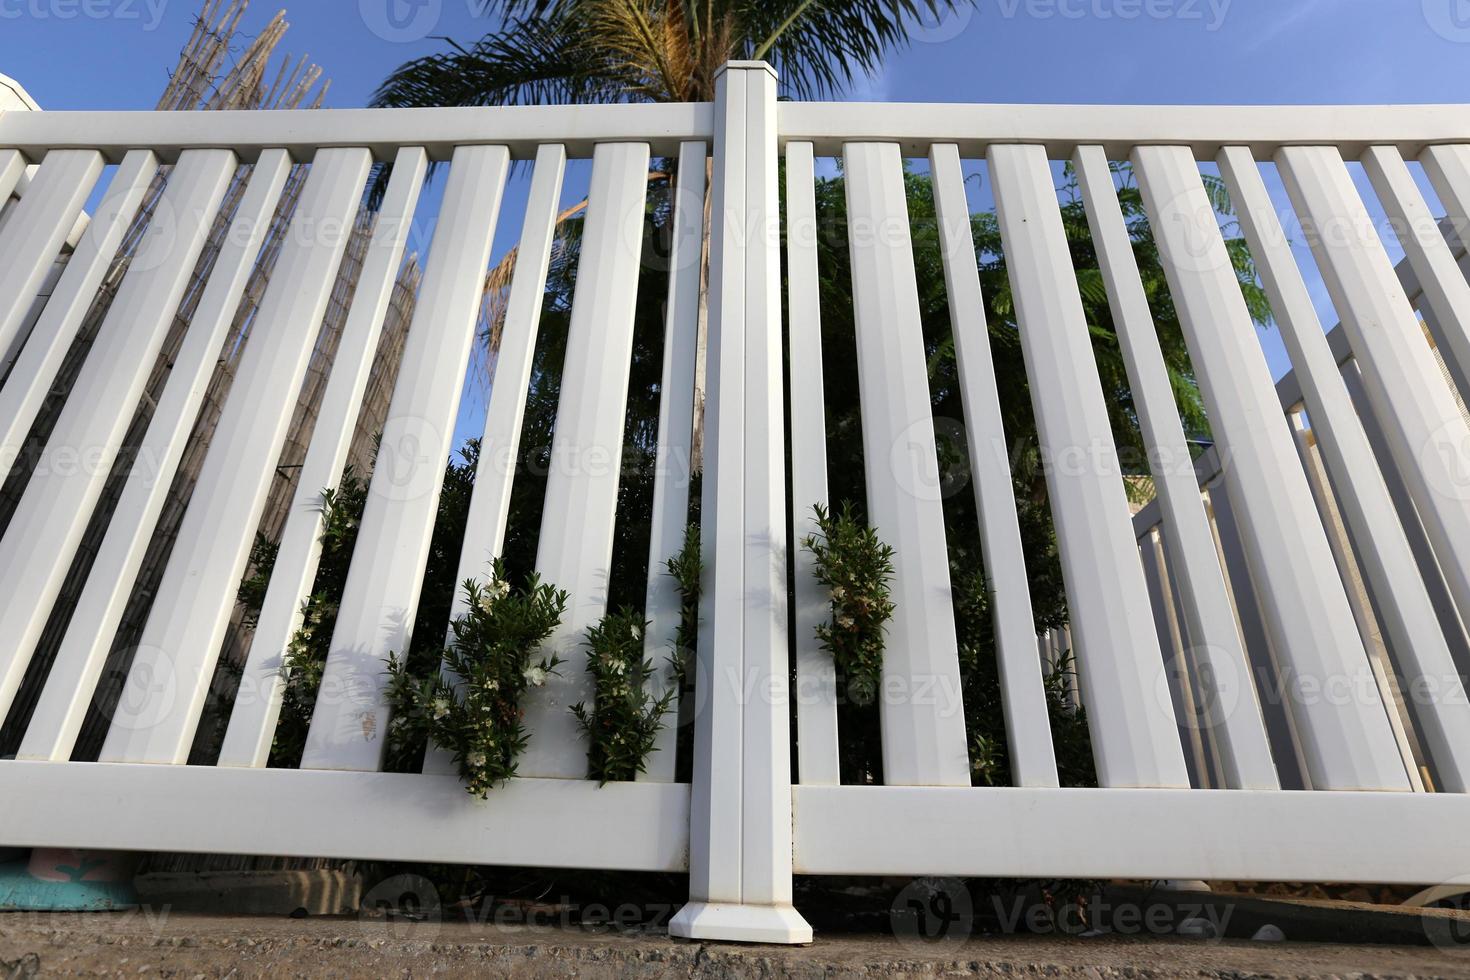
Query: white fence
(1393, 444)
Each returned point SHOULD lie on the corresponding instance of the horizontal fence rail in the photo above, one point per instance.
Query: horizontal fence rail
(1119, 129)
(522, 130)
(1270, 604)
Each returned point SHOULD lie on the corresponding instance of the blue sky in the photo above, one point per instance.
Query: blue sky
(74, 54)
(112, 54)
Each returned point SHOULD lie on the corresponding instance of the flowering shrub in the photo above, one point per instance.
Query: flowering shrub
(625, 717)
(857, 567)
(473, 709)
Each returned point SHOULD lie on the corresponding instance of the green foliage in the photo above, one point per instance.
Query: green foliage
(857, 567)
(251, 594)
(984, 706)
(306, 655)
(473, 709)
(625, 718)
(687, 568)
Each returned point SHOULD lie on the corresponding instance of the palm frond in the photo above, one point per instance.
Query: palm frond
(819, 47)
(532, 60)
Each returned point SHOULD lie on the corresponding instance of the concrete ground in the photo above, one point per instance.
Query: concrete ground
(141, 944)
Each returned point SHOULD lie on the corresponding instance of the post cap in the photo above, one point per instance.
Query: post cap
(747, 66)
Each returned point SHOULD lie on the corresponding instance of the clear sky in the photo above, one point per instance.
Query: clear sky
(112, 54)
(74, 54)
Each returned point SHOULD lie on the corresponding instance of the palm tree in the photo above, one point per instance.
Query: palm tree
(577, 51)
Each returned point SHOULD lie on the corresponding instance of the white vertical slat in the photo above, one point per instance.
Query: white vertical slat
(1028, 729)
(174, 663)
(13, 167)
(576, 544)
(63, 704)
(1367, 506)
(34, 234)
(12, 164)
(1348, 742)
(48, 524)
(675, 443)
(1286, 745)
(1448, 169)
(262, 684)
(1403, 502)
(816, 676)
(1359, 597)
(1411, 400)
(381, 595)
(1232, 713)
(1446, 293)
(40, 359)
(506, 408)
(1117, 656)
(923, 737)
(1172, 642)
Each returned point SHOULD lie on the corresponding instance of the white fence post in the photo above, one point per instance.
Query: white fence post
(740, 815)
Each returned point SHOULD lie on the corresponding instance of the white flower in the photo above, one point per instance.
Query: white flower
(535, 676)
(475, 759)
(838, 594)
(633, 631)
(845, 622)
(493, 685)
(441, 708)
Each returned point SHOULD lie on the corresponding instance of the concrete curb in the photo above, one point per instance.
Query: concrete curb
(150, 942)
